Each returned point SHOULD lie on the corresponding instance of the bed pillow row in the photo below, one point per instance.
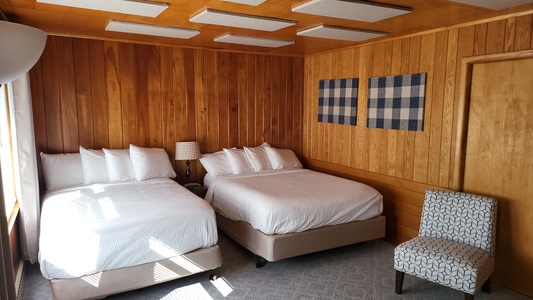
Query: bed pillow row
(106, 165)
(249, 159)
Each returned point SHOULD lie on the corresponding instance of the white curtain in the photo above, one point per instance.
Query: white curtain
(25, 165)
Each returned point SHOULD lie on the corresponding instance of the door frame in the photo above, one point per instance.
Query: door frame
(463, 105)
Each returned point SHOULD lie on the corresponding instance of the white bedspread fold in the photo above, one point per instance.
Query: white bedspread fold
(100, 227)
(295, 200)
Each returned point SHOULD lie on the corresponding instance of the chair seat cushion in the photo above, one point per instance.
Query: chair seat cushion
(456, 265)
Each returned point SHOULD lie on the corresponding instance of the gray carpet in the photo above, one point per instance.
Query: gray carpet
(361, 271)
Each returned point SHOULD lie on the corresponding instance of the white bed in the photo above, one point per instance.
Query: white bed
(282, 213)
(106, 238)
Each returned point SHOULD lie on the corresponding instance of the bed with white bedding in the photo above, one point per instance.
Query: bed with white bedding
(103, 238)
(89, 230)
(283, 213)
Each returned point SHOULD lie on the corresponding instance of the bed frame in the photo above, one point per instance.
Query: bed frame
(100, 285)
(274, 247)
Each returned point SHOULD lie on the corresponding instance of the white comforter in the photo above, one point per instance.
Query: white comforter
(101, 227)
(285, 201)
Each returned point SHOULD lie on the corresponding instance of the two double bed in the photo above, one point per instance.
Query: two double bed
(125, 232)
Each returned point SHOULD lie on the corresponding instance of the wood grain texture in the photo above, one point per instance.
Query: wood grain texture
(395, 159)
(110, 95)
(498, 162)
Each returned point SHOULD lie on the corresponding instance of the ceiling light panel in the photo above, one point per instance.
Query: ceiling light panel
(340, 33)
(139, 8)
(351, 9)
(137, 28)
(252, 41)
(216, 17)
(247, 2)
(494, 4)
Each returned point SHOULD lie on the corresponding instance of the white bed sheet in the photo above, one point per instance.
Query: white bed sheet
(88, 229)
(286, 201)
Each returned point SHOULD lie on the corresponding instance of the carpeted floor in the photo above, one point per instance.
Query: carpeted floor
(361, 271)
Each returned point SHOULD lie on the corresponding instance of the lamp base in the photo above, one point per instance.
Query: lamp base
(188, 172)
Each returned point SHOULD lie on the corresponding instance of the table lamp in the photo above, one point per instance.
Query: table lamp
(187, 151)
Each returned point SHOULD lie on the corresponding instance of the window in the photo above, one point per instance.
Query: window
(6, 154)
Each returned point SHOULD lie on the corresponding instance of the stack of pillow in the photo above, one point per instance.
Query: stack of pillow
(106, 165)
(249, 159)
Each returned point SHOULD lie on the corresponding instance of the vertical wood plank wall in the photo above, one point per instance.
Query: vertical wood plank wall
(108, 94)
(402, 164)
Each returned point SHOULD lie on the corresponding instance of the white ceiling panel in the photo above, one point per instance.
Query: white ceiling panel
(139, 8)
(136, 28)
(340, 33)
(247, 2)
(216, 17)
(365, 11)
(252, 41)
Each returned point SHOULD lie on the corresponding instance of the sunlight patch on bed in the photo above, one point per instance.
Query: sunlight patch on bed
(175, 257)
(83, 242)
(187, 264)
(193, 291)
(222, 286)
(98, 188)
(161, 248)
(93, 279)
(108, 209)
(162, 273)
(68, 196)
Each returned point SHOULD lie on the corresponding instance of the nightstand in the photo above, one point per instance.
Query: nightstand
(200, 192)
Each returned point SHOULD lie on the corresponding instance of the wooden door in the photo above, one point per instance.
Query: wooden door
(499, 162)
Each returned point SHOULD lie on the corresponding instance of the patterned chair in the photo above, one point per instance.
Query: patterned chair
(455, 243)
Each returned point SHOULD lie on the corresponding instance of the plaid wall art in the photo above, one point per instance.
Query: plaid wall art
(396, 102)
(337, 101)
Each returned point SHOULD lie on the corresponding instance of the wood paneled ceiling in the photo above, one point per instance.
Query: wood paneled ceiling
(68, 21)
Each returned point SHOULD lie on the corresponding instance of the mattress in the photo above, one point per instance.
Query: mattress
(100, 227)
(295, 200)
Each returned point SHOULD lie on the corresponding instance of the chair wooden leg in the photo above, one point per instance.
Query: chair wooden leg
(399, 282)
(486, 286)
(469, 297)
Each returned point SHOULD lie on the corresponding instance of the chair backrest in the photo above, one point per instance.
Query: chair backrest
(460, 217)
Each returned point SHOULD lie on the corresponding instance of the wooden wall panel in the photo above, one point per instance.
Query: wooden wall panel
(98, 88)
(428, 157)
(108, 94)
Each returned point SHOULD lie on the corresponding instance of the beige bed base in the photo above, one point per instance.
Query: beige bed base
(100, 285)
(274, 247)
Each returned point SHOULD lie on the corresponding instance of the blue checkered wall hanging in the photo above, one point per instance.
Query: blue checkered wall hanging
(337, 101)
(396, 102)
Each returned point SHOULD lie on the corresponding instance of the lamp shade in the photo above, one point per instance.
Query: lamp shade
(20, 48)
(187, 150)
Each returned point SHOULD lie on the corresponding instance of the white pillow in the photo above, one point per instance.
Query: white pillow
(282, 158)
(61, 170)
(94, 166)
(216, 164)
(257, 157)
(119, 167)
(150, 163)
(237, 160)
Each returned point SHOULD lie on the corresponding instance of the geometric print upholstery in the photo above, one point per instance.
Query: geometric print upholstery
(452, 264)
(456, 241)
(460, 217)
